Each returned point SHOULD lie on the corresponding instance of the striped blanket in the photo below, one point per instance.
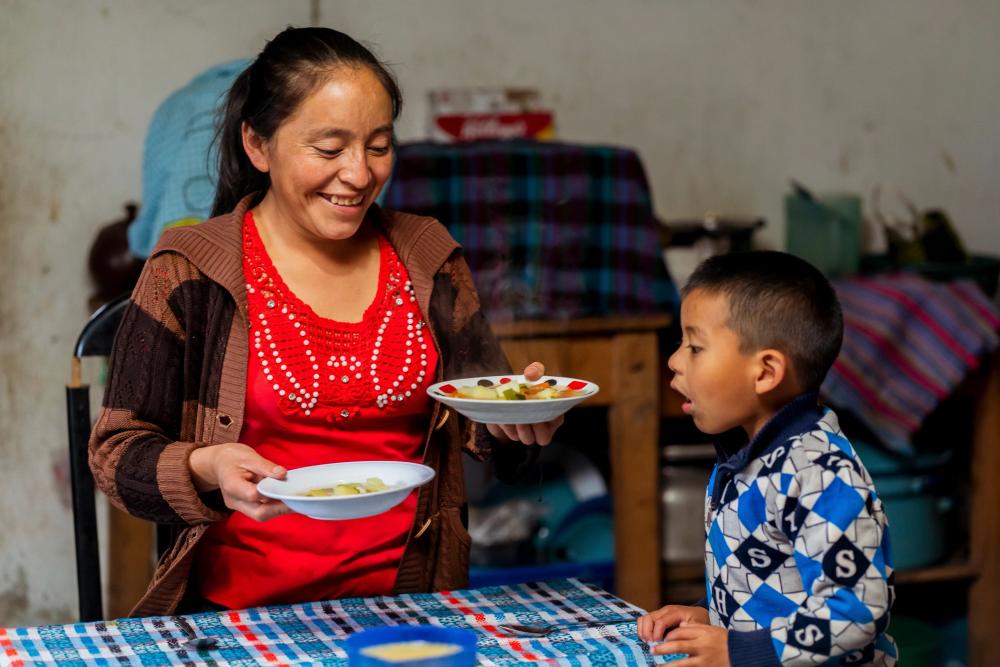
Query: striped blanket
(908, 343)
(551, 231)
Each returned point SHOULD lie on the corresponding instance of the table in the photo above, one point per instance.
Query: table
(620, 354)
(313, 633)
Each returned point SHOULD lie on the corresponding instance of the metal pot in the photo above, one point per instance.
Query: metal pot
(685, 476)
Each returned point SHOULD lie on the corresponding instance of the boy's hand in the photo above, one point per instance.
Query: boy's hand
(705, 645)
(655, 624)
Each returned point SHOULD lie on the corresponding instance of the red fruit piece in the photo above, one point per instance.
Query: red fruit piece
(576, 385)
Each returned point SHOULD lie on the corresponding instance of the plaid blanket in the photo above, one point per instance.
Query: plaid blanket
(312, 634)
(551, 231)
(908, 343)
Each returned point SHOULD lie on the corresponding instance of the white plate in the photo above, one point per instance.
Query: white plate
(512, 412)
(402, 478)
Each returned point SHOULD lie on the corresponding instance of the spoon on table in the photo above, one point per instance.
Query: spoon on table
(193, 640)
(548, 629)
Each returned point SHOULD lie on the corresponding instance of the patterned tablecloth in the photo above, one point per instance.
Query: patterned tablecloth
(312, 634)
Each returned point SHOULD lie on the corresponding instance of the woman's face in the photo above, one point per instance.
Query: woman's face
(329, 160)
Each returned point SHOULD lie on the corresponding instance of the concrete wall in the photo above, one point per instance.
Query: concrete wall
(724, 100)
(78, 85)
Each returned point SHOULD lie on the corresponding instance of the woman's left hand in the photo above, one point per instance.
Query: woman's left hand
(528, 434)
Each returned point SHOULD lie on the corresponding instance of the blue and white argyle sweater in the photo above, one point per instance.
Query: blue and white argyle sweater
(797, 563)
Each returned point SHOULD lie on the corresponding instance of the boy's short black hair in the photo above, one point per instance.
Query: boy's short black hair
(779, 301)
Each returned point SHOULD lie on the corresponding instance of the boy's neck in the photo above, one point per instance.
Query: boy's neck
(777, 420)
(771, 404)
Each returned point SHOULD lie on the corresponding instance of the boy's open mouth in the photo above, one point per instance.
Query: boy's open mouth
(688, 405)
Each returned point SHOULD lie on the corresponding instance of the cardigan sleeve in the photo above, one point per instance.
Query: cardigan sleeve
(469, 348)
(137, 455)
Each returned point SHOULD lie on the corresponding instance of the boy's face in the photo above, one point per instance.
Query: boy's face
(710, 371)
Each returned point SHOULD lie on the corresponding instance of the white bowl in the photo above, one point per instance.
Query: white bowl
(400, 476)
(512, 412)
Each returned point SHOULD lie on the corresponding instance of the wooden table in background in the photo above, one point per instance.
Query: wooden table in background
(620, 354)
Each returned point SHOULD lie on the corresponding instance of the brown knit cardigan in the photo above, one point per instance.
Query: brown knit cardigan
(177, 381)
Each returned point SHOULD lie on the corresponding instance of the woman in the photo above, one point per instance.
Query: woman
(301, 325)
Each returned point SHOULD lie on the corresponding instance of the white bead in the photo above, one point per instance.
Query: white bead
(357, 376)
(275, 387)
(281, 392)
(307, 413)
(315, 367)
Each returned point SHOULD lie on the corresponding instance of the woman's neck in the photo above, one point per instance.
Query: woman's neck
(291, 246)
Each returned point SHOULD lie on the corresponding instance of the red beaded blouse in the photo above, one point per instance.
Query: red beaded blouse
(320, 391)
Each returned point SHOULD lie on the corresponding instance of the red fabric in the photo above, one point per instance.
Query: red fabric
(292, 558)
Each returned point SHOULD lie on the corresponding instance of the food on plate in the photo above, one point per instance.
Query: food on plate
(486, 390)
(370, 485)
(411, 650)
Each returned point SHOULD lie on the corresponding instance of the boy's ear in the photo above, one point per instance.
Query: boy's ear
(772, 369)
(256, 148)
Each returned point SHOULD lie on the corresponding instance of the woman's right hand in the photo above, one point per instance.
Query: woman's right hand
(235, 469)
(653, 626)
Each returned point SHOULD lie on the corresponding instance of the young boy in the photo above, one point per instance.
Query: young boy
(797, 560)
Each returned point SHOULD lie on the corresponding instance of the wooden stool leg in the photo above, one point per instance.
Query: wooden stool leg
(130, 564)
(984, 596)
(635, 468)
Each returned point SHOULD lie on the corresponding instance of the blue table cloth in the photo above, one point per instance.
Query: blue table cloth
(313, 633)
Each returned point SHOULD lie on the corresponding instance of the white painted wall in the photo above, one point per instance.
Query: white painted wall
(78, 85)
(725, 100)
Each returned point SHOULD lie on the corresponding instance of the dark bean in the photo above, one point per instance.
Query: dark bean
(485, 383)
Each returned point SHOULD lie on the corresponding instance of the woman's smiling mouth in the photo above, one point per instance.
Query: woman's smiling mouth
(342, 201)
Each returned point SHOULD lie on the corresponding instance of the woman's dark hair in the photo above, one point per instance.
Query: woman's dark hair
(288, 68)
